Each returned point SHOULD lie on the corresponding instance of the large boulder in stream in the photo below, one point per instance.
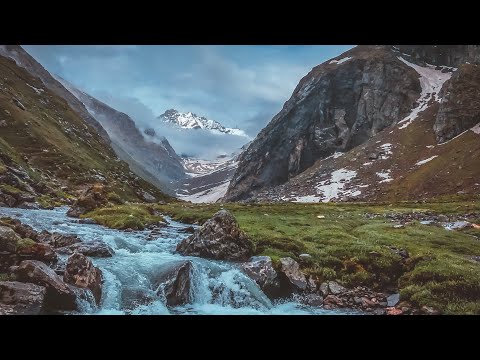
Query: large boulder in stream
(59, 296)
(175, 284)
(17, 298)
(94, 248)
(219, 238)
(92, 198)
(292, 280)
(260, 269)
(81, 272)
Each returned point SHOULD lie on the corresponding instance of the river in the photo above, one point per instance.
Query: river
(218, 287)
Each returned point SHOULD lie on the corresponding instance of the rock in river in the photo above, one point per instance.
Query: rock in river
(88, 248)
(260, 269)
(59, 295)
(92, 198)
(219, 238)
(175, 284)
(291, 278)
(80, 272)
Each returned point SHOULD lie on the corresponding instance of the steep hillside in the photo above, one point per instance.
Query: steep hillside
(149, 155)
(48, 151)
(24, 60)
(369, 122)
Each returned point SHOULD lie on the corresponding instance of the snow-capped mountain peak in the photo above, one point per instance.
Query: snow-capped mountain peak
(190, 120)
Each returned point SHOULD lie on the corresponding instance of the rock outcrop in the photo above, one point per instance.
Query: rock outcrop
(175, 284)
(376, 90)
(460, 107)
(18, 298)
(58, 294)
(91, 198)
(81, 272)
(219, 238)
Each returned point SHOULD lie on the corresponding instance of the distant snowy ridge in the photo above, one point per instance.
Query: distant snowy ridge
(190, 120)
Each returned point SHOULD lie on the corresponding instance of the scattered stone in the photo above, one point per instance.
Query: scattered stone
(457, 225)
(335, 288)
(58, 295)
(175, 284)
(429, 311)
(399, 226)
(25, 298)
(58, 240)
(92, 198)
(320, 216)
(260, 269)
(19, 104)
(3, 123)
(393, 311)
(379, 311)
(324, 289)
(312, 300)
(291, 278)
(79, 271)
(37, 251)
(219, 238)
(8, 240)
(393, 300)
(305, 256)
(94, 248)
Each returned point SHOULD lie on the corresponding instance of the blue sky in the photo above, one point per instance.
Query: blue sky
(242, 86)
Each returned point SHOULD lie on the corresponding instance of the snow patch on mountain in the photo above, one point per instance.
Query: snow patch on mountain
(431, 81)
(341, 61)
(208, 196)
(426, 160)
(190, 120)
(385, 176)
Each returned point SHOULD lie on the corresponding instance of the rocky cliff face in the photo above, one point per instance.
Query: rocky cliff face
(155, 161)
(460, 108)
(446, 55)
(337, 106)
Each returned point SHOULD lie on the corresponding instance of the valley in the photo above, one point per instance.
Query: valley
(360, 196)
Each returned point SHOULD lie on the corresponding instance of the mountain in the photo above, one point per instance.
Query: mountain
(24, 60)
(208, 180)
(375, 123)
(149, 155)
(48, 150)
(190, 120)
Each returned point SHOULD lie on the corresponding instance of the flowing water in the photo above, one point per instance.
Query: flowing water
(218, 287)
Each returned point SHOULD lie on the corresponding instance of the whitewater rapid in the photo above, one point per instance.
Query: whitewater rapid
(130, 275)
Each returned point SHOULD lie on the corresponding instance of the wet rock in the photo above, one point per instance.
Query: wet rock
(379, 312)
(87, 221)
(58, 295)
(333, 300)
(457, 225)
(79, 271)
(393, 300)
(312, 300)
(58, 240)
(37, 251)
(8, 240)
(133, 297)
(335, 288)
(189, 230)
(92, 198)
(24, 298)
(324, 289)
(88, 248)
(291, 278)
(175, 284)
(260, 269)
(219, 238)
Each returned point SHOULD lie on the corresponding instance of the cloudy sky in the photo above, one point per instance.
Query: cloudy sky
(239, 86)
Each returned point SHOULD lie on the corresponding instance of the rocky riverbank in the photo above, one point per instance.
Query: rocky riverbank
(37, 277)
